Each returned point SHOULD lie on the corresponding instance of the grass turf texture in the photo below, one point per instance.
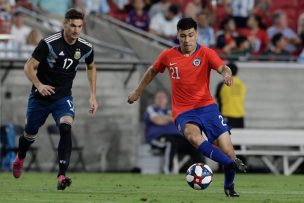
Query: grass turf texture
(132, 188)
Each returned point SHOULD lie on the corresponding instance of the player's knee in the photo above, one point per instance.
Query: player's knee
(194, 138)
(30, 134)
(65, 128)
(30, 137)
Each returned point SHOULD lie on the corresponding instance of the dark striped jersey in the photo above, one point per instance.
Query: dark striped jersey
(58, 62)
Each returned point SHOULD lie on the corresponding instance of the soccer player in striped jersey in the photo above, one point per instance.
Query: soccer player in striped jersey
(56, 59)
(194, 110)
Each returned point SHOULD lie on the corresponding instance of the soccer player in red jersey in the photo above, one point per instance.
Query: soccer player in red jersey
(194, 110)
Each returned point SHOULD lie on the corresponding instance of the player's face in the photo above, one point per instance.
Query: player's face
(73, 28)
(187, 40)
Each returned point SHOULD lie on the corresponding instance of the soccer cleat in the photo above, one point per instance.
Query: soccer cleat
(18, 167)
(239, 165)
(230, 192)
(63, 182)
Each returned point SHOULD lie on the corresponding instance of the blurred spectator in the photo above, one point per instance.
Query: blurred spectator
(93, 7)
(159, 7)
(239, 49)
(277, 51)
(240, 10)
(193, 8)
(262, 9)
(162, 134)
(53, 8)
(25, 4)
(256, 35)
(19, 30)
(148, 5)
(225, 36)
(138, 17)
(7, 5)
(204, 31)
(32, 40)
(5, 22)
(301, 28)
(301, 57)
(121, 3)
(231, 100)
(9, 48)
(280, 25)
(164, 24)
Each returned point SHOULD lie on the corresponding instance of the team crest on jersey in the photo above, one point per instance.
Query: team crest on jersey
(196, 62)
(77, 54)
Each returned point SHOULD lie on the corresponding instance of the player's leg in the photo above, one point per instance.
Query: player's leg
(63, 113)
(65, 144)
(193, 134)
(225, 144)
(64, 151)
(35, 118)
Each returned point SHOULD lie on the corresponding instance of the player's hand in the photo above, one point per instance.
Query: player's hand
(93, 105)
(228, 79)
(133, 96)
(45, 90)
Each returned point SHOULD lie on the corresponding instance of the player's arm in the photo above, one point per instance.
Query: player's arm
(226, 74)
(161, 120)
(91, 72)
(147, 78)
(30, 72)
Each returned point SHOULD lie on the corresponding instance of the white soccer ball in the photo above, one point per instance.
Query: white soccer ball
(199, 176)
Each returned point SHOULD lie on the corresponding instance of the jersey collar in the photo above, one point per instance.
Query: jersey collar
(198, 46)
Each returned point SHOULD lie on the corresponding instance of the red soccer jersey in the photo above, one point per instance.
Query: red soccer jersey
(189, 76)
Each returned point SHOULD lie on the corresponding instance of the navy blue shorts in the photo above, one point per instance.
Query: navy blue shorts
(208, 118)
(37, 113)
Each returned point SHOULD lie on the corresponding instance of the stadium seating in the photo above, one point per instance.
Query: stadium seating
(151, 161)
(267, 144)
(53, 132)
(279, 4)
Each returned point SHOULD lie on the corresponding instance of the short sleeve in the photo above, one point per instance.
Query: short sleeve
(90, 57)
(159, 63)
(214, 60)
(41, 51)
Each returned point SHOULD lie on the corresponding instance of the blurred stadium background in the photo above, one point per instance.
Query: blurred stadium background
(112, 140)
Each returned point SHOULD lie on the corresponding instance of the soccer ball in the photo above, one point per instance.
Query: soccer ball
(199, 176)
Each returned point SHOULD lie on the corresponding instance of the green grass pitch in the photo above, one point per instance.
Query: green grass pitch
(133, 188)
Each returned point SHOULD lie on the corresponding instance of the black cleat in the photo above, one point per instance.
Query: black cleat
(230, 192)
(239, 165)
(63, 182)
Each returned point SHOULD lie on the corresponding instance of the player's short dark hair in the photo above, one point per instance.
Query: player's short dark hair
(186, 24)
(233, 67)
(73, 14)
(277, 37)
